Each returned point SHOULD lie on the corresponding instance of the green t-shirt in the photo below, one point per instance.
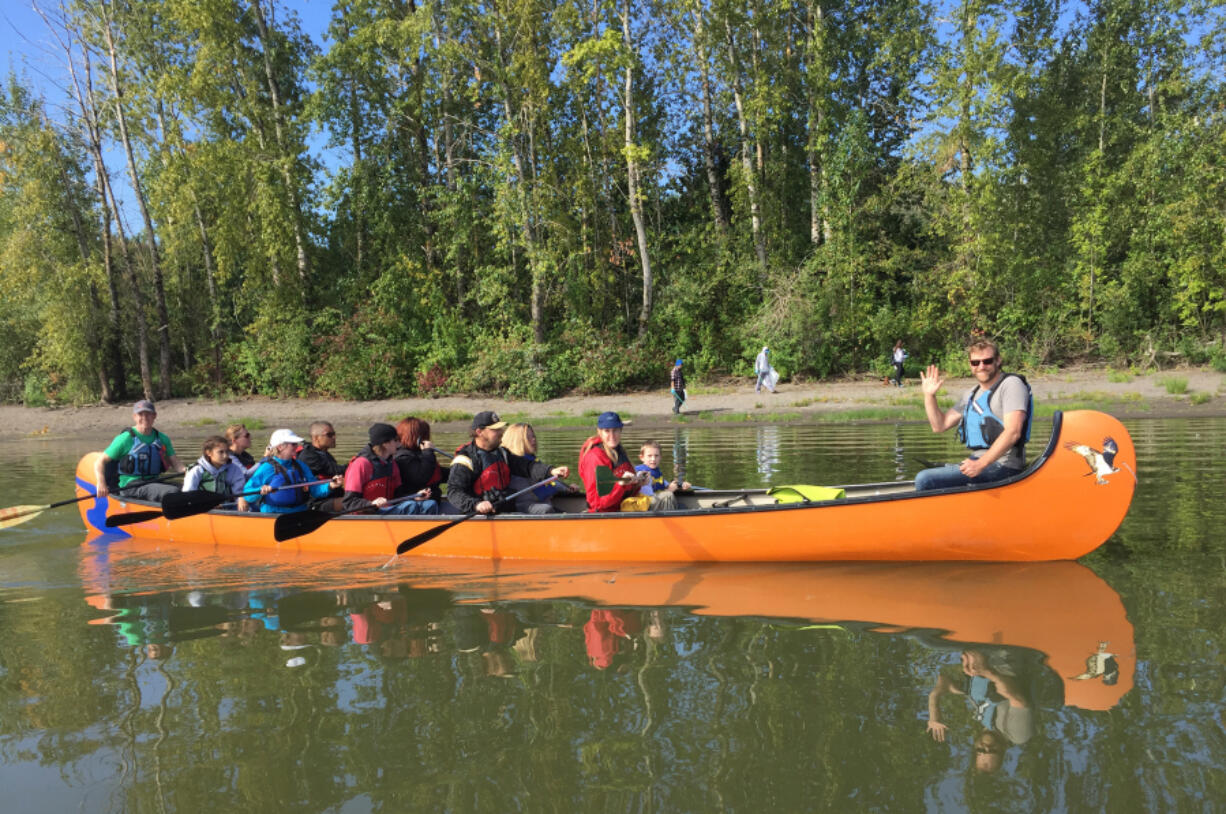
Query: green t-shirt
(122, 445)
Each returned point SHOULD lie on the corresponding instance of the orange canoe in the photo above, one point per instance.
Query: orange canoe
(1063, 610)
(1066, 504)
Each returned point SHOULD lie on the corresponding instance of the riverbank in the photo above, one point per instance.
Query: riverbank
(1169, 393)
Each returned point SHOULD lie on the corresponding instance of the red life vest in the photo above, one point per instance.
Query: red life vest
(492, 482)
(380, 483)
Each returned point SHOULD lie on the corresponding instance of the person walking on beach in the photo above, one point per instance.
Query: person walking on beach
(676, 383)
(898, 358)
(762, 369)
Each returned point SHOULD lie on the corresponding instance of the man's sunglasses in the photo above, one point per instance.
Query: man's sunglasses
(978, 362)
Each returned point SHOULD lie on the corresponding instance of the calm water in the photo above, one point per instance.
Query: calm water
(140, 678)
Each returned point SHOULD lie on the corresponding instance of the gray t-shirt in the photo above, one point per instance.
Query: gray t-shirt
(1009, 395)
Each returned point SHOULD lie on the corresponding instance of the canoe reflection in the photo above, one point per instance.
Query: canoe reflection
(1061, 611)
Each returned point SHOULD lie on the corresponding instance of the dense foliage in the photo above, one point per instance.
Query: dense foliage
(533, 196)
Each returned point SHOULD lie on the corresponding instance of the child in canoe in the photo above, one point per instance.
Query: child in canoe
(216, 471)
(662, 491)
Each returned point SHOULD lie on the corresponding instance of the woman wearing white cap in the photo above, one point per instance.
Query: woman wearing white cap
(282, 468)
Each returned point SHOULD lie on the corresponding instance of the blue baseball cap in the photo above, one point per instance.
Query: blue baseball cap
(677, 362)
(610, 421)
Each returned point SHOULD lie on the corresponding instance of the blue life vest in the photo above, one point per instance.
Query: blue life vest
(284, 477)
(144, 460)
(980, 426)
(658, 482)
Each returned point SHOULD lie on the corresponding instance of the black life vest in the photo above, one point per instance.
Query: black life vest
(493, 473)
(980, 426)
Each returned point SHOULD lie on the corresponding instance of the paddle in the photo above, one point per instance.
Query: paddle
(16, 515)
(177, 505)
(428, 535)
(185, 504)
(296, 524)
(606, 480)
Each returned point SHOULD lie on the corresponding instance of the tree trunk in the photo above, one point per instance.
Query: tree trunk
(708, 130)
(751, 189)
(284, 159)
(632, 172)
(159, 289)
(88, 107)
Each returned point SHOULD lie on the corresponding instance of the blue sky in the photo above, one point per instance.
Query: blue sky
(34, 55)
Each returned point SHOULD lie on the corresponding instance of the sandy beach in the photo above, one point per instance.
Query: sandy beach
(846, 399)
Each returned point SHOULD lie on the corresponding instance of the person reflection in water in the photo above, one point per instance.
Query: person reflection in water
(995, 693)
(607, 632)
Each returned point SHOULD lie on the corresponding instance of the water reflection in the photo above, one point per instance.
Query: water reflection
(768, 454)
(996, 616)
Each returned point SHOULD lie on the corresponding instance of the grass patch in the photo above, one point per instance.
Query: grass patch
(800, 403)
(912, 413)
(1200, 398)
(433, 416)
(249, 423)
(1175, 385)
(1119, 376)
(708, 390)
(201, 422)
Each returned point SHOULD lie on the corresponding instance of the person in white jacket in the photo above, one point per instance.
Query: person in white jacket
(762, 369)
(898, 358)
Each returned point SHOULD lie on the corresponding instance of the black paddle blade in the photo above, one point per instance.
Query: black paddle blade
(130, 518)
(428, 535)
(296, 524)
(185, 504)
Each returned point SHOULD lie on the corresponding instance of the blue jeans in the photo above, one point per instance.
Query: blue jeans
(411, 507)
(944, 477)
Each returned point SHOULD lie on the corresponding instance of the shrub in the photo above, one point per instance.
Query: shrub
(365, 356)
(1174, 385)
(274, 359)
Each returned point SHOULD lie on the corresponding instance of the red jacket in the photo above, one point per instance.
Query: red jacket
(592, 455)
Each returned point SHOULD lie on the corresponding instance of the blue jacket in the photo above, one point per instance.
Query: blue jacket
(265, 473)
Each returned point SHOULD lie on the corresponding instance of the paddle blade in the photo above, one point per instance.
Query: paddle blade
(606, 480)
(130, 518)
(296, 524)
(185, 504)
(16, 515)
(428, 535)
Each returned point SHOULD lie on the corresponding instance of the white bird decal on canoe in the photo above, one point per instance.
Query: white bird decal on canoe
(1101, 463)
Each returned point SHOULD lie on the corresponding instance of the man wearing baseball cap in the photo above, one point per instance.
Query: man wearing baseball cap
(372, 477)
(282, 468)
(481, 470)
(144, 455)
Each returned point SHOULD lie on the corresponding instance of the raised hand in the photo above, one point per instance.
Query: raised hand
(931, 380)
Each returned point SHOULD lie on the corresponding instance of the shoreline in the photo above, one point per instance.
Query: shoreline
(848, 400)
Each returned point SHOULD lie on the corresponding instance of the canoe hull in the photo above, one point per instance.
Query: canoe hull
(1058, 510)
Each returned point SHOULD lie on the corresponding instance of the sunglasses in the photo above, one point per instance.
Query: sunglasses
(330, 434)
(978, 362)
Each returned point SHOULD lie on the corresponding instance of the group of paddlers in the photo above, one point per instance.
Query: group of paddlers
(397, 472)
